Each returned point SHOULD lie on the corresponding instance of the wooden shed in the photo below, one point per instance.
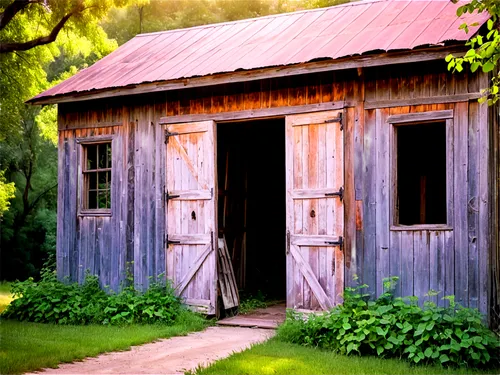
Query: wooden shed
(320, 146)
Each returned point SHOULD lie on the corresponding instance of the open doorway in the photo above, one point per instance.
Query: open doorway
(251, 208)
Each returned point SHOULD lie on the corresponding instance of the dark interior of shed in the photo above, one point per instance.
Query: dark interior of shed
(251, 208)
(421, 173)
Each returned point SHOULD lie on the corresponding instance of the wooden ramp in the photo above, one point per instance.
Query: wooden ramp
(269, 318)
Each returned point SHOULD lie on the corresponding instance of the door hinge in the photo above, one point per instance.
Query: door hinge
(168, 196)
(339, 243)
(168, 135)
(339, 193)
(172, 241)
(336, 119)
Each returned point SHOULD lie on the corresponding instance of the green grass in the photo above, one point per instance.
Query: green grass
(275, 357)
(31, 346)
(5, 295)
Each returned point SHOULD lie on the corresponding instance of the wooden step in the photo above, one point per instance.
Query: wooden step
(242, 321)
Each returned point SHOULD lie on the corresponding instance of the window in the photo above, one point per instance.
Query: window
(96, 192)
(422, 170)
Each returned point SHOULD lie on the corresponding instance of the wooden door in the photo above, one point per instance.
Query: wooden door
(191, 205)
(315, 214)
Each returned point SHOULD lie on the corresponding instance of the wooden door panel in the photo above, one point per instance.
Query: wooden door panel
(191, 213)
(315, 214)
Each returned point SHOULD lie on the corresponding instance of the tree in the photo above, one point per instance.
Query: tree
(31, 61)
(484, 49)
(50, 16)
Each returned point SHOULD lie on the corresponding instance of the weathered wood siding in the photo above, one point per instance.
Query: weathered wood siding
(131, 240)
(453, 261)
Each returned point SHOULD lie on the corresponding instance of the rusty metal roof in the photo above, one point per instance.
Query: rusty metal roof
(283, 39)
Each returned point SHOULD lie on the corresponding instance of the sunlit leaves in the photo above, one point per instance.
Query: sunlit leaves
(484, 50)
(7, 190)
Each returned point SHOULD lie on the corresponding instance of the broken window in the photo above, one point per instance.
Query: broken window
(421, 174)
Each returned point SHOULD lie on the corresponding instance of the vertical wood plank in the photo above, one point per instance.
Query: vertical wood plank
(486, 199)
(358, 151)
(159, 149)
(116, 175)
(382, 198)
(349, 198)
(407, 261)
(473, 205)
(369, 203)
(421, 265)
(449, 265)
(395, 250)
(460, 163)
(130, 228)
(62, 174)
(326, 87)
(72, 214)
(436, 270)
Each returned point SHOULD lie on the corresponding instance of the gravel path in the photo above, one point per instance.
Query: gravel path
(169, 356)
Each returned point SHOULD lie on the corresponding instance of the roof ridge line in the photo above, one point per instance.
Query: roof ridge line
(353, 3)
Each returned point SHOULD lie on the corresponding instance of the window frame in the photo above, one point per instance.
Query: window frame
(82, 162)
(420, 118)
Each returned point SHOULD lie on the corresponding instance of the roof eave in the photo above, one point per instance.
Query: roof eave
(350, 62)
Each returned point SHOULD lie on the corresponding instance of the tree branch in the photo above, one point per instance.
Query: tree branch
(12, 9)
(37, 199)
(11, 47)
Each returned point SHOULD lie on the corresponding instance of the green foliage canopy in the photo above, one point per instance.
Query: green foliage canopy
(33, 57)
(484, 49)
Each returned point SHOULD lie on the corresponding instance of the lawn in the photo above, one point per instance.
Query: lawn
(275, 357)
(31, 346)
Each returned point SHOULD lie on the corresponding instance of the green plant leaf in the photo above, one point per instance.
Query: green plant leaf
(488, 67)
(444, 358)
(428, 352)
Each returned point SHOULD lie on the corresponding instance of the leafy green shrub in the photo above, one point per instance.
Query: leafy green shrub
(53, 301)
(390, 327)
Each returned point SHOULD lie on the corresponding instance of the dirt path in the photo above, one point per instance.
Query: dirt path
(170, 356)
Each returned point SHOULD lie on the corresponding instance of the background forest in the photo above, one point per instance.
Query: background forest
(43, 43)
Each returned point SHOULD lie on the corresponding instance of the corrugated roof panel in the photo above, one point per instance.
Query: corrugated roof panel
(345, 30)
(439, 21)
(274, 55)
(411, 21)
(328, 34)
(181, 54)
(227, 50)
(387, 31)
(355, 44)
(206, 54)
(335, 46)
(329, 17)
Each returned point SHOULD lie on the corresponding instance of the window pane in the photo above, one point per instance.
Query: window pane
(421, 174)
(104, 199)
(92, 178)
(102, 155)
(91, 157)
(108, 148)
(102, 180)
(92, 199)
